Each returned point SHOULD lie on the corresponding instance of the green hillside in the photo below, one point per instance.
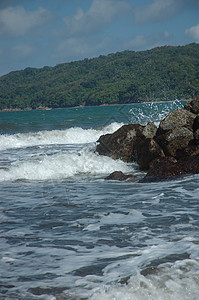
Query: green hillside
(163, 73)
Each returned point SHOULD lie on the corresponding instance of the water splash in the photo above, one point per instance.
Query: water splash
(62, 166)
(73, 135)
(152, 112)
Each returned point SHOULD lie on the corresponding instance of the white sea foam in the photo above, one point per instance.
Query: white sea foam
(134, 216)
(170, 281)
(63, 165)
(73, 135)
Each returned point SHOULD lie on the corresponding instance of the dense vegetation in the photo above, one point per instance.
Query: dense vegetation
(163, 73)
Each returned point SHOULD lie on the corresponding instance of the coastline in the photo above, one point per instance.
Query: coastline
(27, 109)
(81, 106)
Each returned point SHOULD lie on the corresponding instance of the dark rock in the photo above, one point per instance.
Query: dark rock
(118, 175)
(104, 147)
(177, 118)
(145, 147)
(146, 150)
(123, 143)
(119, 145)
(168, 168)
(193, 106)
(187, 152)
(196, 123)
(190, 165)
(196, 137)
(175, 139)
(162, 169)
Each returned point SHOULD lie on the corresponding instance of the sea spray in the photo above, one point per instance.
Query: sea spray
(63, 165)
(73, 135)
(158, 111)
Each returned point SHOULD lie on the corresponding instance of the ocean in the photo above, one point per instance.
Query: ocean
(67, 233)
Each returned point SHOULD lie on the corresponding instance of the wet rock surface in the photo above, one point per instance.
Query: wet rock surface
(165, 152)
(145, 151)
(118, 175)
(119, 145)
(161, 169)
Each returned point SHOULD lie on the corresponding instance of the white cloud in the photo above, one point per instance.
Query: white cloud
(100, 13)
(157, 11)
(75, 48)
(136, 43)
(78, 48)
(141, 42)
(16, 21)
(193, 33)
(22, 51)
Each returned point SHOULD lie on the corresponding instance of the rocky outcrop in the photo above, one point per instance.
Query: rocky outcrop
(145, 151)
(161, 169)
(176, 119)
(186, 152)
(130, 142)
(119, 145)
(177, 138)
(149, 131)
(175, 131)
(193, 106)
(170, 150)
(169, 167)
(118, 175)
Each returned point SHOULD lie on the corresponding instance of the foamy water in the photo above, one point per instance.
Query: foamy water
(62, 166)
(167, 282)
(39, 158)
(69, 136)
(66, 233)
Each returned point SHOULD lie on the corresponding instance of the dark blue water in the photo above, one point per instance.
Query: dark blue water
(66, 233)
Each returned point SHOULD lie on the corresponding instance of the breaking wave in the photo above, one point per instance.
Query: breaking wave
(74, 135)
(62, 165)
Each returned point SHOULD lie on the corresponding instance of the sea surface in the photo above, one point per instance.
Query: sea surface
(66, 233)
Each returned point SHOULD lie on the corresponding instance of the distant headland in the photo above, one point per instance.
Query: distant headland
(160, 74)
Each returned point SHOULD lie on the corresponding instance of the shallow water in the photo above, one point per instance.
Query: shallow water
(66, 233)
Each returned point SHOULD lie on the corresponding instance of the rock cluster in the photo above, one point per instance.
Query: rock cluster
(170, 150)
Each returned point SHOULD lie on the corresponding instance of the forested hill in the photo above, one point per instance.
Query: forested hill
(163, 73)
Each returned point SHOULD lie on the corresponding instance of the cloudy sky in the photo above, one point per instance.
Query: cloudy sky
(37, 33)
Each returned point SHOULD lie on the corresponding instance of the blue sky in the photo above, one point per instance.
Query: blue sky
(37, 33)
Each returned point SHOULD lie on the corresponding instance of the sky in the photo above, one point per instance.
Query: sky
(37, 33)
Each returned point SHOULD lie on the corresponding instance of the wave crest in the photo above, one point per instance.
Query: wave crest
(73, 135)
(62, 166)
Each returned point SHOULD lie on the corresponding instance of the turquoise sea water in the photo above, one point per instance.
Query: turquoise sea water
(66, 233)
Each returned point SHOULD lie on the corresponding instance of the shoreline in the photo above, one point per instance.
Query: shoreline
(82, 106)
